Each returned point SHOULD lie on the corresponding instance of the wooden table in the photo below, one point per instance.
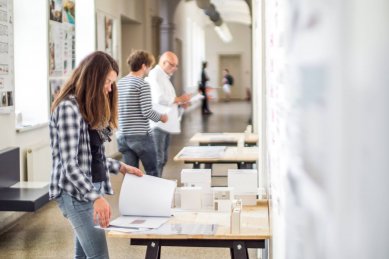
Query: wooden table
(254, 232)
(244, 157)
(224, 139)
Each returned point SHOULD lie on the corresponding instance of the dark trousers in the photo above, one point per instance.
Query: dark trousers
(139, 147)
(204, 106)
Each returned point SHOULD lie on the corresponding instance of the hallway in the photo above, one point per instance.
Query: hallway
(46, 233)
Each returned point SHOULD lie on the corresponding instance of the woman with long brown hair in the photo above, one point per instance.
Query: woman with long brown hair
(82, 118)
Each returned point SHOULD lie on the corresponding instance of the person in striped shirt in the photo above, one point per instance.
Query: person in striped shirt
(134, 137)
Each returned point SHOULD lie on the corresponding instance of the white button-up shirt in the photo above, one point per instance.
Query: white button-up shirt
(163, 95)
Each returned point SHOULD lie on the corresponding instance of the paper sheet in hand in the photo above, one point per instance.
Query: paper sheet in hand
(196, 97)
(146, 196)
(173, 123)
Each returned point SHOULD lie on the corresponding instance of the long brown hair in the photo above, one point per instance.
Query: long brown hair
(87, 85)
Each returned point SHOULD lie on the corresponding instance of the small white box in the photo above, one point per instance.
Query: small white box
(222, 198)
(177, 198)
(207, 199)
(243, 180)
(247, 199)
(235, 220)
(191, 198)
(223, 193)
(222, 205)
(196, 177)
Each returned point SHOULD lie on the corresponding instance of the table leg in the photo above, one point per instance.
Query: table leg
(265, 251)
(196, 165)
(208, 166)
(153, 250)
(232, 253)
(244, 165)
(239, 250)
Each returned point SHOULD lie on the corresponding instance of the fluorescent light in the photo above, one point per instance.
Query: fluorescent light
(223, 32)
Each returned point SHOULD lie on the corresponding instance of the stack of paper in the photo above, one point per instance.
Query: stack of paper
(203, 151)
(185, 229)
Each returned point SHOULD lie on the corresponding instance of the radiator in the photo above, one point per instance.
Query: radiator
(39, 163)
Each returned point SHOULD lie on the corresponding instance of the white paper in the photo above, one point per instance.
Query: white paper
(185, 229)
(133, 222)
(203, 151)
(30, 185)
(196, 97)
(123, 229)
(173, 123)
(146, 196)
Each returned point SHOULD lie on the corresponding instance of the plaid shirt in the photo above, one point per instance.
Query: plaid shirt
(71, 153)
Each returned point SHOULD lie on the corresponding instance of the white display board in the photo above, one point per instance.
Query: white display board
(327, 128)
(7, 86)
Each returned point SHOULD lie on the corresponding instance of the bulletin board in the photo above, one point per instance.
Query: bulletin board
(7, 79)
(62, 46)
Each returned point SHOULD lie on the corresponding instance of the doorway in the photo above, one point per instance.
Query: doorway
(233, 63)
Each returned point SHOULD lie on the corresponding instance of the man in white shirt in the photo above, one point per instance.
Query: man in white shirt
(165, 101)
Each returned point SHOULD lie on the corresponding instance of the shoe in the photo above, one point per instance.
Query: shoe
(207, 112)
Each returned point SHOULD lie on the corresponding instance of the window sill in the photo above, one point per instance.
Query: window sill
(29, 127)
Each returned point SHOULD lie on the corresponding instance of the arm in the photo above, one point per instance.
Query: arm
(182, 99)
(115, 166)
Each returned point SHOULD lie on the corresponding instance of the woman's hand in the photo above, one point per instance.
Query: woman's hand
(127, 169)
(101, 212)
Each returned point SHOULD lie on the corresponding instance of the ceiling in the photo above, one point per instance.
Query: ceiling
(233, 11)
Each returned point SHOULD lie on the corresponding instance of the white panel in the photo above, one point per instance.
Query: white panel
(39, 162)
(31, 59)
(85, 29)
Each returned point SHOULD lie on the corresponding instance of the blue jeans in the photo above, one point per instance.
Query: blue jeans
(139, 147)
(89, 241)
(162, 141)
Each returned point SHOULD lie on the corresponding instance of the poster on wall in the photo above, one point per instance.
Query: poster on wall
(105, 37)
(55, 49)
(55, 85)
(7, 86)
(69, 55)
(62, 47)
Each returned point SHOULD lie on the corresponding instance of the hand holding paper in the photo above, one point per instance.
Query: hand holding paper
(127, 169)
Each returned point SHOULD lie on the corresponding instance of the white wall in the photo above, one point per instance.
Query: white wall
(31, 60)
(189, 21)
(326, 124)
(85, 44)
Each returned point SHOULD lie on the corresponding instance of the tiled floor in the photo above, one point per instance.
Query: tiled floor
(47, 234)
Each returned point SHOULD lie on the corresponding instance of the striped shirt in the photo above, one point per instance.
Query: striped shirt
(135, 106)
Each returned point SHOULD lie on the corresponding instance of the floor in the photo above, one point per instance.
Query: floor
(47, 234)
